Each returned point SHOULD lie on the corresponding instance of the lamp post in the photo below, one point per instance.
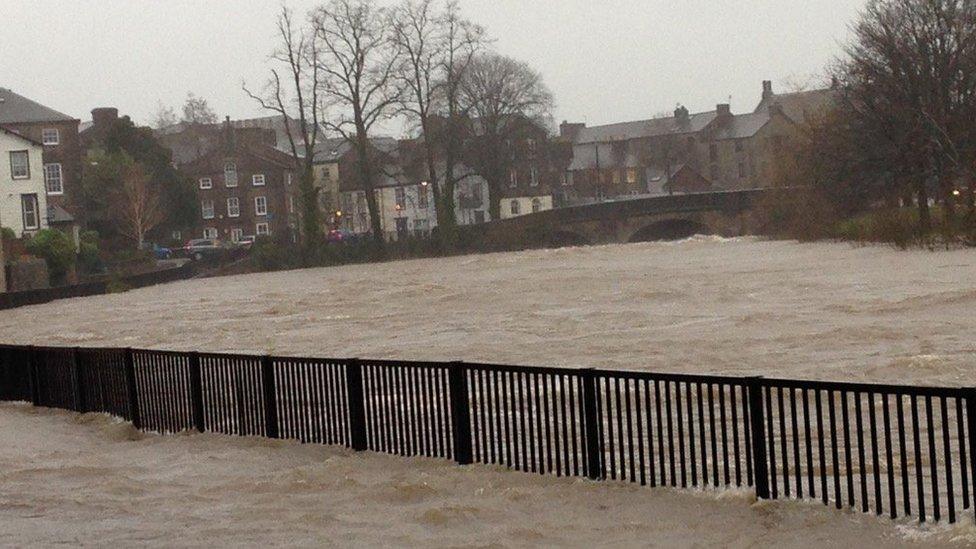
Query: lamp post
(3, 263)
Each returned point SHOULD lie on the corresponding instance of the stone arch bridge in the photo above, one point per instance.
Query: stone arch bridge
(639, 220)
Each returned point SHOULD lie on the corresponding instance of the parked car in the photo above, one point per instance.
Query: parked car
(246, 242)
(203, 248)
(159, 252)
(341, 236)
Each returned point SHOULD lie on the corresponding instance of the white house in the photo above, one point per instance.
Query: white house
(23, 202)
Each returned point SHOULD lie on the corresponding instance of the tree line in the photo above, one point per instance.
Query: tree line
(903, 133)
(348, 66)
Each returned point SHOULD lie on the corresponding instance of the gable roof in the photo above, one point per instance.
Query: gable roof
(800, 106)
(646, 128)
(15, 108)
(741, 126)
(15, 133)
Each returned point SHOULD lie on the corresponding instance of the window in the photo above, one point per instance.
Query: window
(233, 207)
(50, 136)
(615, 177)
(514, 207)
(257, 180)
(177, 235)
(206, 183)
(207, 206)
(291, 203)
(210, 233)
(513, 178)
(260, 205)
(236, 235)
(261, 229)
(536, 205)
(52, 179)
(421, 227)
(230, 174)
(400, 196)
(422, 196)
(32, 219)
(19, 165)
(288, 176)
(632, 176)
(533, 176)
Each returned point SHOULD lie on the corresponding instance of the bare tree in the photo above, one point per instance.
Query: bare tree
(293, 92)
(164, 117)
(139, 204)
(196, 110)
(358, 61)
(503, 95)
(910, 80)
(437, 47)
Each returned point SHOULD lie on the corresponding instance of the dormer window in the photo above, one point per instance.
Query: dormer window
(230, 174)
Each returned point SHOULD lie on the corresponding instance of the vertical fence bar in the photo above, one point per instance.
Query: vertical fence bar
(35, 379)
(270, 398)
(591, 421)
(196, 393)
(129, 371)
(357, 407)
(971, 427)
(758, 433)
(457, 379)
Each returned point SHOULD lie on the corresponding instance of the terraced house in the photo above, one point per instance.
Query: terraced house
(23, 202)
(687, 152)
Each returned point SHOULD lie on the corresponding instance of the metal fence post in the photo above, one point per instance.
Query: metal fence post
(971, 427)
(457, 380)
(757, 427)
(79, 377)
(196, 392)
(591, 422)
(33, 375)
(357, 406)
(129, 370)
(270, 398)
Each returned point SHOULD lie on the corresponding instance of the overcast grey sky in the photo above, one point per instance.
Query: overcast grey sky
(605, 60)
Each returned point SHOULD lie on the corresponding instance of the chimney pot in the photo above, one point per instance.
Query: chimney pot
(767, 89)
(724, 110)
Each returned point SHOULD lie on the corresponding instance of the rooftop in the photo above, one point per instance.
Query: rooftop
(15, 108)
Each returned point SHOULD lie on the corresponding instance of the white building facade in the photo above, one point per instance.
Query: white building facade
(23, 199)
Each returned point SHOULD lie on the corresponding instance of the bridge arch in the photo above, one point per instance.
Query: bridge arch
(669, 229)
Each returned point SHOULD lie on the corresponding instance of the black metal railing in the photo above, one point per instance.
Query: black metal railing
(900, 451)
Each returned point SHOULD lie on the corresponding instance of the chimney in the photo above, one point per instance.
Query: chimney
(104, 116)
(834, 82)
(767, 92)
(681, 114)
(570, 130)
(229, 136)
(724, 111)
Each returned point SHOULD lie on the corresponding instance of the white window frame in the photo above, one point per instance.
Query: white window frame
(177, 235)
(236, 235)
(261, 205)
(233, 206)
(35, 212)
(13, 174)
(536, 205)
(262, 229)
(291, 203)
(230, 168)
(205, 207)
(210, 233)
(258, 177)
(45, 135)
(533, 176)
(206, 183)
(48, 179)
(400, 197)
(515, 208)
(513, 178)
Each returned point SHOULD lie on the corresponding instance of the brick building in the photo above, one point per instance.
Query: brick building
(245, 185)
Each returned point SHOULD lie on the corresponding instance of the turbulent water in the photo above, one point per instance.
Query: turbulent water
(90, 480)
(739, 306)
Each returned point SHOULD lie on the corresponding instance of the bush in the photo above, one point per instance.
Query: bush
(7, 233)
(798, 213)
(89, 258)
(56, 249)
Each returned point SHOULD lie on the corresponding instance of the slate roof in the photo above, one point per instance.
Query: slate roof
(802, 105)
(15, 133)
(15, 108)
(646, 128)
(741, 126)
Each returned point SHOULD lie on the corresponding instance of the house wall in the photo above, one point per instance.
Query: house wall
(12, 190)
(67, 153)
(525, 205)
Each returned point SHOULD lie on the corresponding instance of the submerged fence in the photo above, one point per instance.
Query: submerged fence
(888, 449)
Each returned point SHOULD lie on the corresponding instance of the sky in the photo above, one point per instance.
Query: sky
(604, 60)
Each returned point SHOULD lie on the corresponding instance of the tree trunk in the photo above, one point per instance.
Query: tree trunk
(366, 178)
(922, 193)
(310, 207)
